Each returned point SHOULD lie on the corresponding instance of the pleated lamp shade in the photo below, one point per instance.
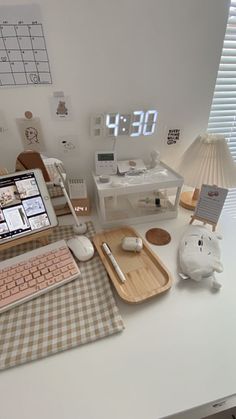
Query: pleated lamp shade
(206, 161)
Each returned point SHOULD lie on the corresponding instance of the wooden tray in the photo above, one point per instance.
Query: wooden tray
(146, 276)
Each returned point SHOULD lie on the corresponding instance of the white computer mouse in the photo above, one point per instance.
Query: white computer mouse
(81, 247)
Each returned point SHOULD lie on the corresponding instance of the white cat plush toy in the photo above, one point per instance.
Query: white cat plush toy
(199, 255)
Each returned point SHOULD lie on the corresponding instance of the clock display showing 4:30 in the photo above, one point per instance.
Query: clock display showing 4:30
(135, 124)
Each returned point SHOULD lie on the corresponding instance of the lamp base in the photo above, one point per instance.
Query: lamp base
(187, 201)
(80, 228)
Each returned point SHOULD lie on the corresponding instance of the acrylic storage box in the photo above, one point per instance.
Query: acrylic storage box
(133, 198)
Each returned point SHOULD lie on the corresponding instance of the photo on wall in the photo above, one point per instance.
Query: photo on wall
(61, 108)
(31, 134)
(173, 136)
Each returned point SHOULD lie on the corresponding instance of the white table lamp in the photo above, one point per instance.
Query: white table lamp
(206, 161)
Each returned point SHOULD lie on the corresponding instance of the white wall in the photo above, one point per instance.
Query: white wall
(110, 55)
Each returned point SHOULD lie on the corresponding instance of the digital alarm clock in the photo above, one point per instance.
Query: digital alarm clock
(105, 163)
(116, 124)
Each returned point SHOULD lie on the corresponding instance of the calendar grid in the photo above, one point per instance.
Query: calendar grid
(33, 52)
(19, 48)
(23, 55)
(4, 43)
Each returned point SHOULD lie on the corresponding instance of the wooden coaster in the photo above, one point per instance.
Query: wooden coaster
(158, 236)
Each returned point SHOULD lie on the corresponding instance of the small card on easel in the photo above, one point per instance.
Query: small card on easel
(210, 203)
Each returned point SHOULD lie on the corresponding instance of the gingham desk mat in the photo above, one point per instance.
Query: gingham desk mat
(79, 312)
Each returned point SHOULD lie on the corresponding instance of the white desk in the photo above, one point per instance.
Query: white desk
(177, 352)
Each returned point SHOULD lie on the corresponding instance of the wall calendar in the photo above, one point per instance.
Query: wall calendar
(23, 53)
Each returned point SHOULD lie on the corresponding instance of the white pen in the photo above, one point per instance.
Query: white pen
(115, 265)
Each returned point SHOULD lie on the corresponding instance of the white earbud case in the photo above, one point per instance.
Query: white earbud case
(132, 244)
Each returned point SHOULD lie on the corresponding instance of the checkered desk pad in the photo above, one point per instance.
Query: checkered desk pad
(79, 312)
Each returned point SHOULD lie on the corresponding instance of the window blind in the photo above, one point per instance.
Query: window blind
(222, 118)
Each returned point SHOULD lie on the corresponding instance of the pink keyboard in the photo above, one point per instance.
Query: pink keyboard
(29, 275)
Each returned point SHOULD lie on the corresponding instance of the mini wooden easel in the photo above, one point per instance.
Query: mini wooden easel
(194, 217)
(209, 206)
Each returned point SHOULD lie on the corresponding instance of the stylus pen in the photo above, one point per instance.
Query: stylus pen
(115, 265)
